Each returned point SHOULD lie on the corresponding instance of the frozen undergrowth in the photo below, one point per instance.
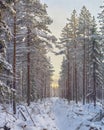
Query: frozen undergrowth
(52, 114)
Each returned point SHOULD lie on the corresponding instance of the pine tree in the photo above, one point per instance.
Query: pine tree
(32, 37)
(5, 36)
(101, 22)
(95, 62)
(74, 28)
(84, 27)
(69, 40)
(63, 79)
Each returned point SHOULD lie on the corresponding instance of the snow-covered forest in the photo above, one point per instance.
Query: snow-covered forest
(26, 69)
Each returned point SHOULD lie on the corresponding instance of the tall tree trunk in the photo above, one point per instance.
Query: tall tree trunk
(68, 77)
(22, 82)
(94, 76)
(75, 72)
(14, 64)
(84, 66)
(28, 67)
(88, 66)
(73, 81)
(76, 88)
(75, 63)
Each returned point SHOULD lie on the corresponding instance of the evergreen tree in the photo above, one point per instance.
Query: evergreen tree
(101, 22)
(5, 67)
(95, 62)
(84, 33)
(32, 41)
(69, 42)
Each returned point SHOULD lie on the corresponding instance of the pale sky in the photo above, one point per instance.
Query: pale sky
(59, 11)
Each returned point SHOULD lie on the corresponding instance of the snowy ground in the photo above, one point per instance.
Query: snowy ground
(52, 114)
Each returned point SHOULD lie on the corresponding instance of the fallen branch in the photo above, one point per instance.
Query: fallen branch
(23, 115)
(30, 116)
(97, 117)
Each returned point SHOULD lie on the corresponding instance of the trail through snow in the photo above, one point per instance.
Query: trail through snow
(61, 115)
(75, 116)
(53, 114)
(66, 117)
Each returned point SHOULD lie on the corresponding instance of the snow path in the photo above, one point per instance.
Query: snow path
(72, 116)
(64, 116)
(53, 114)
(61, 117)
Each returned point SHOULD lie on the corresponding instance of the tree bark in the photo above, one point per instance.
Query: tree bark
(84, 61)
(14, 64)
(28, 68)
(68, 77)
(94, 77)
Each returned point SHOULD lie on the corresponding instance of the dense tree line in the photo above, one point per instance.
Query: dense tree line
(25, 68)
(5, 36)
(81, 76)
(26, 50)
